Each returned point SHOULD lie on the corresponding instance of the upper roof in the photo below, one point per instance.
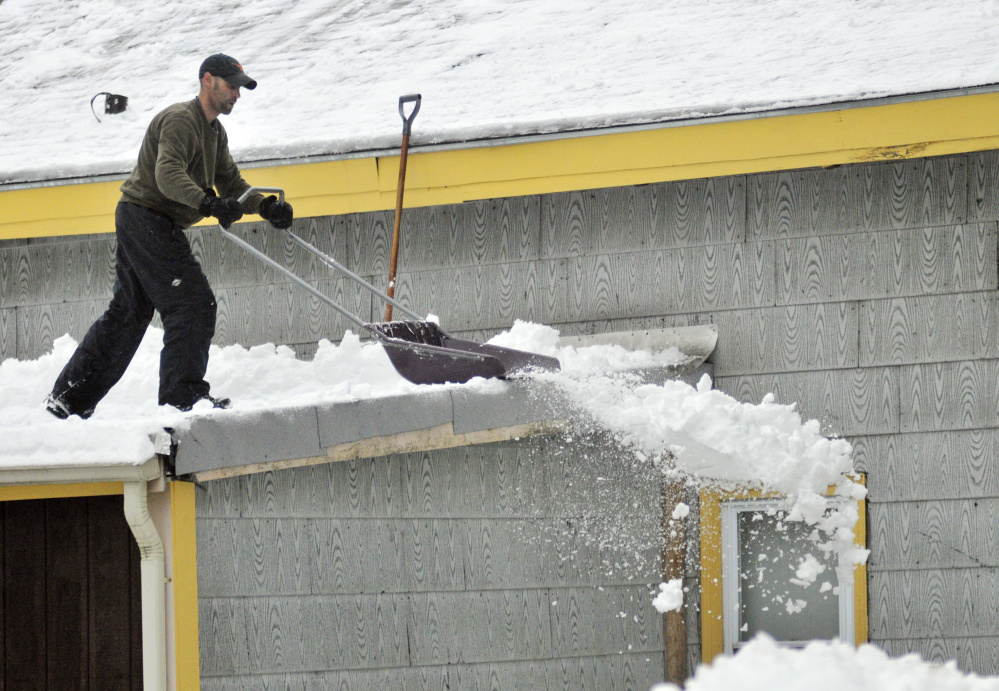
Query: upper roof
(330, 73)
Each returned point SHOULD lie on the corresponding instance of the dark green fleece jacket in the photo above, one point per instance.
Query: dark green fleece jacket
(182, 157)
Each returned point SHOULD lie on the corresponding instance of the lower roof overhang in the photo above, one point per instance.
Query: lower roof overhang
(231, 443)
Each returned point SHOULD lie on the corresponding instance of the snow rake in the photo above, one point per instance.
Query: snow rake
(421, 351)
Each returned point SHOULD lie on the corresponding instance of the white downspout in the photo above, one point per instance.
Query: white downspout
(154, 669)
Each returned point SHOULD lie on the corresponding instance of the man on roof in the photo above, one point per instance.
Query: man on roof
(184, 173)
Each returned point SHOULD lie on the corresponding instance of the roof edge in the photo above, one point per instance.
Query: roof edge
(74, 474)
(658, 120)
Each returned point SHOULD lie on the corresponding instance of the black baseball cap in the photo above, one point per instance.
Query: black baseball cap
(228, 68)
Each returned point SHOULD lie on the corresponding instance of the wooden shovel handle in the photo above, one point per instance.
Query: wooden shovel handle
(407, 125)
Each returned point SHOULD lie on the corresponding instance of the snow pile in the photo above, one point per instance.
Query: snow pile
(257, 378)
(708, 433)
(330, 74)
(762, 665)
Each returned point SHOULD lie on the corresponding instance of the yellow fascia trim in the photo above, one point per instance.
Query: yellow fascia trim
(86, 489)
(185, 586)
(934, 127)
(712, 612)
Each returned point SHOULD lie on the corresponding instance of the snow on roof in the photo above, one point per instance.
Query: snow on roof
(330, 73)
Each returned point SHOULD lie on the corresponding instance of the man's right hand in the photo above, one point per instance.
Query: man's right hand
(226, 209)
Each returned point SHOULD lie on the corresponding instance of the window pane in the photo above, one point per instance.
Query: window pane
(771, 549)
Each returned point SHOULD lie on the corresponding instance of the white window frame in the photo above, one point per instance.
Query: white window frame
(731, 583)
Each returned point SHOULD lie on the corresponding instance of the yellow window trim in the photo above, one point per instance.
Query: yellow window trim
(712, 612)
(934, 127)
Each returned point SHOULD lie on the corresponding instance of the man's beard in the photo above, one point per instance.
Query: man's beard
(222, 104)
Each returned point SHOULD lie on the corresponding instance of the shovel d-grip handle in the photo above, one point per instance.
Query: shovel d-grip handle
(407, 121)
(262, 190)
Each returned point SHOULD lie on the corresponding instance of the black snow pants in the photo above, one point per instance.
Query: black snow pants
(154, 269)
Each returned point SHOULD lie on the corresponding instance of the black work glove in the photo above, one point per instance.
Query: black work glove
(278, 213)
(226, 209)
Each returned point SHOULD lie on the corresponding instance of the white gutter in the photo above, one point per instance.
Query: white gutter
(70, 474)
(154, 667)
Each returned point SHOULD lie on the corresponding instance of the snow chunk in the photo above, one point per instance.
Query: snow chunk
(670, 597)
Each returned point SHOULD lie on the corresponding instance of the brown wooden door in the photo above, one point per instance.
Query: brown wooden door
(70, 607)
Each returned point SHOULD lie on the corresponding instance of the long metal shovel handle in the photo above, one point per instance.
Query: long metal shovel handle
(329, 261)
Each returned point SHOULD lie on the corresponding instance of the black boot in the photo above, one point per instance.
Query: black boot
(220, 403)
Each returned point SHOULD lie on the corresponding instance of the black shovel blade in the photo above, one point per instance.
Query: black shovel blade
(429, 355)
(427, 364)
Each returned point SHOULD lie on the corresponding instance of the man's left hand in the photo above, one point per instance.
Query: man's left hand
(279, 213)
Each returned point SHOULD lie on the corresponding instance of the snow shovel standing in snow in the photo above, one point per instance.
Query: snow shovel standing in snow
(407, 127)
(420, 351)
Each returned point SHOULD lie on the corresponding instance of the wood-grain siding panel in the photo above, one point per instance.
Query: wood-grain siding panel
(39, 325)
(490, 231)
(933, 603)
(56, 272)
(506, 554)
(312, 556)
(8, 333)
(628, 672)
(490, 676)
(593, 621)
(591, 476)
(476, 233)
(849, 199)
(603, 549)
(635, 284)
(369, 242)
(436, 554)
(889, 264)
(494, 480)
(503, 480)
(950, 395)
(370, 487)
(261, 635)
(229, 266)
(785, 339)
(479, 626)
(983, 186)
(929, 329)
(929, 466)
(472, 297)
(285, 313)
(933, 534)
(846, 402)
(973, 655)
(627, 219)
(623, 671)
(397, 679)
